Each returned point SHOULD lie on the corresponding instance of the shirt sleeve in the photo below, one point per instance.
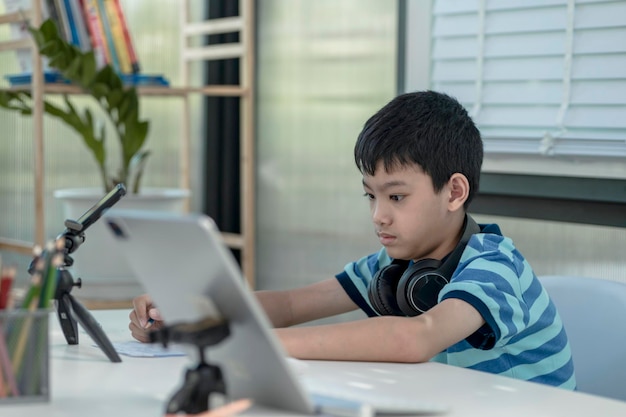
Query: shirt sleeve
(492, 277)
(357, 275)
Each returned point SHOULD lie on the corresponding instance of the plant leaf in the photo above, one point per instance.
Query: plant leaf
(49, 48)
(120, 104)
(114, 98)
(49, 29)
(73, 69)
(88, 69)
(136, 167)
(100, 89)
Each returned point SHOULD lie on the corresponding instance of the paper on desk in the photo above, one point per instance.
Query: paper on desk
(146, 350)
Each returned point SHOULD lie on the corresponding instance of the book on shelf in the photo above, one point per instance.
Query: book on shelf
(134, 62)
(96, 34)
(49, 77)
(97, 25)
(108, 36)
(77, 25)
(117, 36)
(63, 24)
(53, 77)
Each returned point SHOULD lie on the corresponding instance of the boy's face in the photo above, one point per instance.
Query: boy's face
(410, 219)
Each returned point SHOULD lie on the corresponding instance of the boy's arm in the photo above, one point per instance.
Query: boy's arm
(284, 308)
(386, 338)
(323, 299)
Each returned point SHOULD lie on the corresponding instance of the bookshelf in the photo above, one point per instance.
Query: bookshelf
(243, 50)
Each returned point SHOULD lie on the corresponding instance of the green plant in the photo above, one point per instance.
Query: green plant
(119, 103)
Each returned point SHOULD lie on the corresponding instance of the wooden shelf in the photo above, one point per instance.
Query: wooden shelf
(233, 240)
(16, 17)
(217, 91)
(17, 246)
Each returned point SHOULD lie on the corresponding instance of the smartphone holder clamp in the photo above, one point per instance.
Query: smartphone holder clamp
(203, 380)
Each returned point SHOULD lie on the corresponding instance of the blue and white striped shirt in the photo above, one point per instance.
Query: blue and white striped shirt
(524, 337)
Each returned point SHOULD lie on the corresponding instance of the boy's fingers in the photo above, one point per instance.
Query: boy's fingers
(155, 314)
(141, 305)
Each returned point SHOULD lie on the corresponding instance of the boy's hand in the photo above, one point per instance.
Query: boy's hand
(144, 318)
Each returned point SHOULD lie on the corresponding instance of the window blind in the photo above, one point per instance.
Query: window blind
(543, 77)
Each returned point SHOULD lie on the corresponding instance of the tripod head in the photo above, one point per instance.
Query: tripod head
(74, 232)
(206, 379)
(74, 237)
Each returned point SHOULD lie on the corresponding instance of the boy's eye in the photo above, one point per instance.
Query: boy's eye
(368, 196)
(396, 197)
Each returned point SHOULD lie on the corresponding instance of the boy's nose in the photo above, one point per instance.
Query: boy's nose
(379, 214)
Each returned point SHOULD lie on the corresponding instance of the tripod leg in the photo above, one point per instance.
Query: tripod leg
(68, 323)
(93, 329)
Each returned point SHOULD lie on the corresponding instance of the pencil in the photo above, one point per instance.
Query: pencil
(5, 364)
(7, 275)
(51, 274)
(33, 373)
(2, 389)
(31, 301)
(36, 350)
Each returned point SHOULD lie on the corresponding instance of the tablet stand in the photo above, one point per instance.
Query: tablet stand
(205, 379)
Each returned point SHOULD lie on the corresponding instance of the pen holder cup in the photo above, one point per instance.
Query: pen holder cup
(24, 364)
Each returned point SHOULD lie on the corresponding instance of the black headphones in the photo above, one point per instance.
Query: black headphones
(402, 290)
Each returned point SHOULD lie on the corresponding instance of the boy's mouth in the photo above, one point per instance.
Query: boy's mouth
(385, 238)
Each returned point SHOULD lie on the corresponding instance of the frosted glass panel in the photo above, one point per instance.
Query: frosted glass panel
(324, 67)
(557, 248)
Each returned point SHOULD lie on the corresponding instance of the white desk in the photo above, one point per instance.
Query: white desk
(85, 383)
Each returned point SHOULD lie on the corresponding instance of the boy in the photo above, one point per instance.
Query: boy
(420, 157)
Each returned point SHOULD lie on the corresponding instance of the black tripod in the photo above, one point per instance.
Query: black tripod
(205, 379)
(69, 310)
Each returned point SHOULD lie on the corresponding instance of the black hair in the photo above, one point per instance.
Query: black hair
(427, 128)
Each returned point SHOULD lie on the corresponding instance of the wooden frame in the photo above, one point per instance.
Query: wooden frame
(244, 50)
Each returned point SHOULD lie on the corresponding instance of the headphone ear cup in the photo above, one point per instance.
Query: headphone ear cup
(382, 290)
(419, 287)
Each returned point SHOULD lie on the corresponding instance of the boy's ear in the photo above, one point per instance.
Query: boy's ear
(458, 191)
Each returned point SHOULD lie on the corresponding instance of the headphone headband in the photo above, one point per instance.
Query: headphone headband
(452, 261)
